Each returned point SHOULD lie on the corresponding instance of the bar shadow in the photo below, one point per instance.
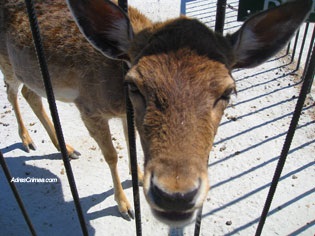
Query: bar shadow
(49, 212)
(257, 190)
(274, 211)
(12, 147)
(184, 5)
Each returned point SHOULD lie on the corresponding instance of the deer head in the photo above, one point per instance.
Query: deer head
(180, 83)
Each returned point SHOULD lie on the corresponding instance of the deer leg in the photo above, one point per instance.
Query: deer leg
(36, 104)
(140, 174)
(12, 91)
(100, 131)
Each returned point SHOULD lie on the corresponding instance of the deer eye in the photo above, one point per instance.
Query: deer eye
(227, 94)
(133, 88)
(225, 97)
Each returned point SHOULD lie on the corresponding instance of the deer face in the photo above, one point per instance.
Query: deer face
(179, 90)
(179, 84)
(178, 99)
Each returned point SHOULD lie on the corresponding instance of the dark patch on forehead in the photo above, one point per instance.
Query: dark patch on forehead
(185, 33)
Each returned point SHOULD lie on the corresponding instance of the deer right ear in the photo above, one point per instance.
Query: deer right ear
(105, 25)
(264, 34)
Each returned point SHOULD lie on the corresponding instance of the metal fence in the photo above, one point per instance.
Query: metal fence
(301, 52)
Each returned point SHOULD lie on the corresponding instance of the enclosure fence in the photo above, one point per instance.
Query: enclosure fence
(297, 46)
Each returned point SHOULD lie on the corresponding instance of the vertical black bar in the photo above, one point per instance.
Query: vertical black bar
(53, 109)
(295, 44)
(198, 222)
(123, 5)
(309, 53)
(132, 144)
(288, 49)
(302, 46)
(308, 57)
(286, 147)
(307, 60)
(133, 161)
(220, 16)
(16, 194)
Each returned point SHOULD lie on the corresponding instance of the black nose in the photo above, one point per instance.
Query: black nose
(175, 201)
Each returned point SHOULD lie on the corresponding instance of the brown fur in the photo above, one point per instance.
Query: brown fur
(94, 83)
(79, 74)
(179, 84)
(177, 117)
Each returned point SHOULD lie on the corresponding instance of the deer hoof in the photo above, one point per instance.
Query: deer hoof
(128, 215)
(75, 155)
(29, 146)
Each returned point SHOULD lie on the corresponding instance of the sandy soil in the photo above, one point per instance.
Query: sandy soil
(241, 167)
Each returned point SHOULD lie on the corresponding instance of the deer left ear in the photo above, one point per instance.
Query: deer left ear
(105, 25)
(264, 34)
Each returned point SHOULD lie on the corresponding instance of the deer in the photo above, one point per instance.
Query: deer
(179, 82)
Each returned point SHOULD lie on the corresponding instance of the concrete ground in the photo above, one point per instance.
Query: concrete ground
(241, 166)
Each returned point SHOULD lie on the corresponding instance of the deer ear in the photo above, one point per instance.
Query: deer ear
(264, 34)
(105, 25)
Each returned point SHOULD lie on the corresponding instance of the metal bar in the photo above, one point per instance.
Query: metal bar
(53, 109)
(132, 143)
(123, 5)
(16, 194)
(286, 147)
(310, 87)
(133, 161)
(311, 82)
(302, 46)
(288, 49)
(220, 16)
(308, 59)
(309, 53)
(198, 222)
(295, 44)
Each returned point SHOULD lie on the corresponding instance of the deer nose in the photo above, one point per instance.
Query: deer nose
(173, 201)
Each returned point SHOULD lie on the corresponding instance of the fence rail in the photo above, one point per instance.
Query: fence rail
(222, 10)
